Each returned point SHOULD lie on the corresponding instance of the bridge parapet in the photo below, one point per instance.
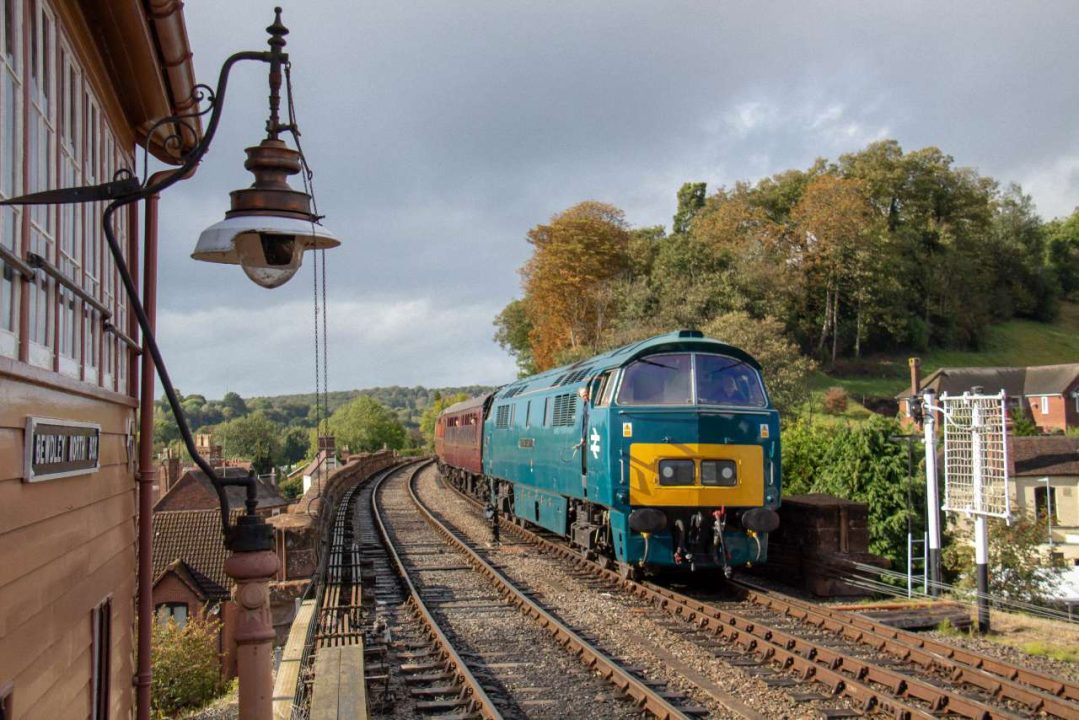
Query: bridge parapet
(300, 531)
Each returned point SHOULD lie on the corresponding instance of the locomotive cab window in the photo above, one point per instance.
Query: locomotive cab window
(691, 378)
(722, 380)
(658, 380)
(604, 389)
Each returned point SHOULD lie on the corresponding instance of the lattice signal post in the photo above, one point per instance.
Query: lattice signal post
(976, 472)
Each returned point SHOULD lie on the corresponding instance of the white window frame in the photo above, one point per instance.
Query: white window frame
(11, 165)
(69, 249)
(1044, 403)
(41, 156)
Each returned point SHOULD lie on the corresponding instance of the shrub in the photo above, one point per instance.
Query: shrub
(291, 488)
(835, 401)
(1022, 425)
(186, 665)
(857, 462)
(1019, 569)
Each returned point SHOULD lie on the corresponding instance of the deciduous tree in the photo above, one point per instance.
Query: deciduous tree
(251, 437)
(575, 255)
(365, 425)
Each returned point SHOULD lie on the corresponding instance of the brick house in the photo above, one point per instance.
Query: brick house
(193, 491)
(189, 573)
(1048, 394)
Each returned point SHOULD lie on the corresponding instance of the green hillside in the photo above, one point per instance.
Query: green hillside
(1014, 343)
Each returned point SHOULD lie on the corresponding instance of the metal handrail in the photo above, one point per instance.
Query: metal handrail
(37, 261)
(16, 262)
(123, 337)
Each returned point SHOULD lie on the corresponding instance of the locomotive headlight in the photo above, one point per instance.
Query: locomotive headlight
(676, 472)
(722, 473)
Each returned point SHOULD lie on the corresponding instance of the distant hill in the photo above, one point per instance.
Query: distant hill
(408, 402)
(1013, 343)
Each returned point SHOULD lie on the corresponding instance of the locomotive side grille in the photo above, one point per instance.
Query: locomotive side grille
(564, 410)
(574, 377)
(502, 416)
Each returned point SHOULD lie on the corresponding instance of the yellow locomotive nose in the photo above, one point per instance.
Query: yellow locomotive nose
(696, 475)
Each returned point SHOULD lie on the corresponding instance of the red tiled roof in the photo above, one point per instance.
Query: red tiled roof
(1015, 381)
(1046, 455)
(194, 491)
(194, 538)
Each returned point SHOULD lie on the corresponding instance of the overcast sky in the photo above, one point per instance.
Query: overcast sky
(441, 131)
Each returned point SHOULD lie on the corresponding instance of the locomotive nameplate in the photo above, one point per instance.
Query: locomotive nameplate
(60, 448)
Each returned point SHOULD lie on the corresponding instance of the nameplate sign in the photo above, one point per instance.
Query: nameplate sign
(61, 448)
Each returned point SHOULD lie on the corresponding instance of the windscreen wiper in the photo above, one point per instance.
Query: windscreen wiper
(652, 362)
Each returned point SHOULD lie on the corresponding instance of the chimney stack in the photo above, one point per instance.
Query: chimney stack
(915, 375)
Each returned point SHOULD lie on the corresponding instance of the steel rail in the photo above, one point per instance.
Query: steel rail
(607, 667)
(480, 702)
(320, 588)
(840, 673)
(1039, 692)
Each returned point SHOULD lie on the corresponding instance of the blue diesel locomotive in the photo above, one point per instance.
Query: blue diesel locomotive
(661, 453)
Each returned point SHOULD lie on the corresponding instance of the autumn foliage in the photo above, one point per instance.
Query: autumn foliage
(879, 251)
(567, 298)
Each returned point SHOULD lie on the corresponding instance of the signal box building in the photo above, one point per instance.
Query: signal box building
(80, 84)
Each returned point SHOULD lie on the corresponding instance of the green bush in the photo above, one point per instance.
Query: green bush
(291, 488)
(1022, 425)
(186, 665)
(858, 462)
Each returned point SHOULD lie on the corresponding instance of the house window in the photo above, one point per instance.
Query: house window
(1045, 404)
(99, 654)
(177, 612)
(1045, 503)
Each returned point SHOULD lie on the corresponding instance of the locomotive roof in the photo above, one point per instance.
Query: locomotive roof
(571, 376)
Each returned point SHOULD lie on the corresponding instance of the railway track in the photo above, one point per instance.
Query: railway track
(453, 643)
(808, 649)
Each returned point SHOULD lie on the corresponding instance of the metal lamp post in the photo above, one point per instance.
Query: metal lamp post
(266, 232)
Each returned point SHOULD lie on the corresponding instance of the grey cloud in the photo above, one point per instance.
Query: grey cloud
(441, 131)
